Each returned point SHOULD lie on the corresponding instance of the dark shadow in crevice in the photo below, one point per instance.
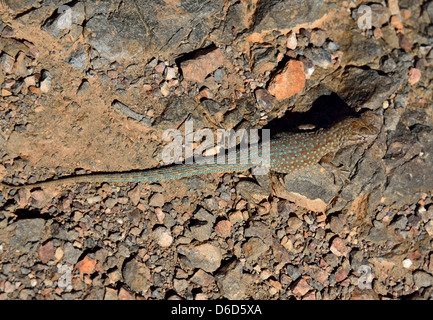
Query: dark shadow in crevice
(325, 111)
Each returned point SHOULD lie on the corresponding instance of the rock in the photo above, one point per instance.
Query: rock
(311, 188)
(137, 276)
(407, 263)
(294, 223)
(265, 58)
(422, 279)
(58, 254)
(204, 63)
(393, 7)
(390, 36)
(400, 222)
(41, 198)
(254, 248)
(212, 106)
(78, 59)
(218, 75)
(340, 274)
(70, 253)
(65, 19)
(336, 224)
(126, 111)
(204, 215)
(110, 294)
(165, 90)
(86, 266)
(6, 93)
(414, 75)
(288, 81)
(408, 168)
(110, 202)
(125, 294)
(157, 200)
(291, 42)
(318, 37)
(93, 200)
(404, 42)
(396, 23)
(429, 228)
(294, 272)
(359, 51)
(7, 62)
(339, 248)
(84, 88)
(232, 282)
(171, 73)
(301, 287)
(264, 99)
(379, 88)
(204, 256)
(134, 195)
(160, 67)
(430, 11)
(28, 230)
(45, 84)
(380, 15)
(201, 231)
(176, 110)
(319, 57)
(180, 285)
(46, 252)
(163, 236)
(202, 278)
(286, 15)
(223, 228)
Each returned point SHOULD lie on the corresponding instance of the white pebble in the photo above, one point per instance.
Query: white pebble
(407, 263)
(292, 42)
(93, 200)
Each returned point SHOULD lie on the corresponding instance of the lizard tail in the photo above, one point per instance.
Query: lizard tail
(151, 175)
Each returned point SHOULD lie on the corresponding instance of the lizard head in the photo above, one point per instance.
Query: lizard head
(354, 131)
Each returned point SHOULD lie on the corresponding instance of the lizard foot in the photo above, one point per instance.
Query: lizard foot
(252, 192)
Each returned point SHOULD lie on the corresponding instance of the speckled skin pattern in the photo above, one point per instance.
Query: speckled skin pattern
(288, 152)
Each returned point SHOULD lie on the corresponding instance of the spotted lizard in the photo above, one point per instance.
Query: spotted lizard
(288, 152)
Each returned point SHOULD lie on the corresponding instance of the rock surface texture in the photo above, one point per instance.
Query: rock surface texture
(89, 87)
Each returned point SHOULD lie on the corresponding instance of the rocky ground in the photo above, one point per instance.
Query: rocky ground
(91, 85)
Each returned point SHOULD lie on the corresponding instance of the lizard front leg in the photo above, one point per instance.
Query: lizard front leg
(255, 192)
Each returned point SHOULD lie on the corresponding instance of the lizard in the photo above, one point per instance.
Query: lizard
(289, 151)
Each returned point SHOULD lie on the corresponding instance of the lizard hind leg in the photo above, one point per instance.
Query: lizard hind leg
(343, 175)
(253, 192)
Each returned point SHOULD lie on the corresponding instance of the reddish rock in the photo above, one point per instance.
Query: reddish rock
(404, 42)
(340, 274)
(301, 287)
(197, 69)
(289, 81)
(202, 278)
(223, 228)
(157, 200)
(396, 22)
(414, 75)
(310, 296)
(204, 256)
(46, 252)
(125, 294)
(276, 284)
(339, 248)
(134, 195)
(86, 266)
